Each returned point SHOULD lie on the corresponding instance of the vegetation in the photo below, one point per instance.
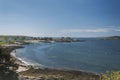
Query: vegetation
(114, 75)
(7, 62)
(12, 39)
(1, 43)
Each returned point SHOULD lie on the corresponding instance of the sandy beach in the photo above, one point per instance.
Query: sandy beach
(23, 66)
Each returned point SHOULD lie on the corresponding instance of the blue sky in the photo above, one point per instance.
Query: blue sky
(56, 18)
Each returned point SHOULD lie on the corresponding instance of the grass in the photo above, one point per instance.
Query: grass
(113, 75)
(1, 43)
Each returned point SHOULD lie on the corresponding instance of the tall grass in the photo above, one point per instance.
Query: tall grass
(113, 75)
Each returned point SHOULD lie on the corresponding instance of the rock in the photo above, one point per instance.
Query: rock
(41, 78)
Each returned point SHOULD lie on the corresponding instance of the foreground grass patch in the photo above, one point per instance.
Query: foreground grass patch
(1, 43)
(114, 75)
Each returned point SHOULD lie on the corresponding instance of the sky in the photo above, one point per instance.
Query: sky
(60, 18)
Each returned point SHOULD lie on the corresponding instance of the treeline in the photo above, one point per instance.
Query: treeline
(13, 39)
(57, 39)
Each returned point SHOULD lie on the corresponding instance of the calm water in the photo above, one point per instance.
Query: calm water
(92, 55)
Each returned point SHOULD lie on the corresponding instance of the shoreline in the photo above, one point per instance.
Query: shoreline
(22, 65)
(28, 71)
(22, 62)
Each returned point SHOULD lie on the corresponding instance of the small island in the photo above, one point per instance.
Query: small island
(111, 37)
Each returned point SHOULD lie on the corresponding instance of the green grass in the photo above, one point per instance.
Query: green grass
(1, 43)
(114, 75)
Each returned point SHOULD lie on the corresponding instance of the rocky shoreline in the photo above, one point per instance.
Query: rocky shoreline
(7, 65)
(55, 74)
(27, 72)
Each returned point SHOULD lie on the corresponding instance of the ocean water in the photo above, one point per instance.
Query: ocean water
(93, 55)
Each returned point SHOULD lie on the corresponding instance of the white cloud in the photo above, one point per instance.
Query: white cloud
(85, 30)
(113, 28)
